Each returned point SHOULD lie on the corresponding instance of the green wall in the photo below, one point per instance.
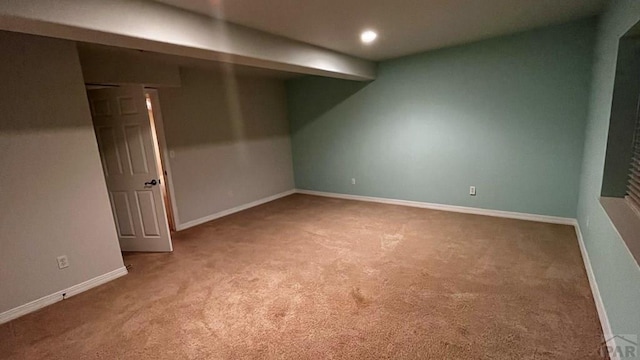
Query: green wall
(506, 115)
(616, 272)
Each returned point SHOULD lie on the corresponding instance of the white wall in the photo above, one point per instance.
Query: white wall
(230, 137)
(53, 194)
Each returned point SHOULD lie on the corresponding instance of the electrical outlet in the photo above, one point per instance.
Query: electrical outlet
(63, 262)
(353, 181)
(472, 190)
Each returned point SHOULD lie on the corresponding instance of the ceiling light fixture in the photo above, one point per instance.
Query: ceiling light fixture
(368, 36)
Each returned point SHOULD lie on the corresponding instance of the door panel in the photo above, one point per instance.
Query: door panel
(100, 107)
(123, 131)
(109, 153)
(122, 212)
(147, 206)
(128, 106)
(135, 150)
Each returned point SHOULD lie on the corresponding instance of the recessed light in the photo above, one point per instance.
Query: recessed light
(368, 36)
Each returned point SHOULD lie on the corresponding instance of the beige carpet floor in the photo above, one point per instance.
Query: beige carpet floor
(306, 277)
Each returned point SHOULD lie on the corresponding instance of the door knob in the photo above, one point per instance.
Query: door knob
(152, 182)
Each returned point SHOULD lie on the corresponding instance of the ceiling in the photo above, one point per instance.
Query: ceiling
(404, 26)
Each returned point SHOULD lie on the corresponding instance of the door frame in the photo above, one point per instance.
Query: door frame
(165, 155)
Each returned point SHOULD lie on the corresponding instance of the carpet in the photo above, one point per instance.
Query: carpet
(306, 277)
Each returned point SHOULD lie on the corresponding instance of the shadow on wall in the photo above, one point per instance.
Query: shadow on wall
(311, 97)
(25, 118)
(228, 137)
(25, 109)
(214, 107)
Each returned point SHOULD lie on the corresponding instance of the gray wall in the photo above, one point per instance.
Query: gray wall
(616, 271)
(230, 137)
(52, 189)
(506, 115)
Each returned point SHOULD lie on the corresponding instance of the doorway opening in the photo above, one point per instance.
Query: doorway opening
(161, 151)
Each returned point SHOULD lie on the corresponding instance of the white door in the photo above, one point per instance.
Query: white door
(123, 130)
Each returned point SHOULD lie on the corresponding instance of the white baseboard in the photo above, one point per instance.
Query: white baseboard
(61, 295)
(595, 291)
(452, 208)
(236, 209)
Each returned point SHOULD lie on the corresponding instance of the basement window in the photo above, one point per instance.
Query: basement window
(620, 196)
(633, 186)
